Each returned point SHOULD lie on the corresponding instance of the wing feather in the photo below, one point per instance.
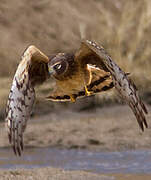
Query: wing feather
(91, 53)
(22, 95)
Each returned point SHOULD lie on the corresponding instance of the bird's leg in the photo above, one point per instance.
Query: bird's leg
(72, 98)
(87, 92)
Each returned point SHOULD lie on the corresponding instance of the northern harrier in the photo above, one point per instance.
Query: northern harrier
(90, 70)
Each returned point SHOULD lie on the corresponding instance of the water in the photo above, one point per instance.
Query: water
(100, 162)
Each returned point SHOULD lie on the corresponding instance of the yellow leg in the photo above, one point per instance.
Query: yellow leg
(87, 93)
(72, 98)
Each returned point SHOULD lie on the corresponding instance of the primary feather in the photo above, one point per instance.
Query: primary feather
(22, 96)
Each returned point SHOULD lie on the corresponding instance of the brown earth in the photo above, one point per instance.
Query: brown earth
(51, 174)
(58, 174)
(103, 129)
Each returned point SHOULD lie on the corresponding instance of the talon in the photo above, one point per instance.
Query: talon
(72, 98)
(87, 93)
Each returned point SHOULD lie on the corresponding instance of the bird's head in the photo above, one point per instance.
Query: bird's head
(58, 65)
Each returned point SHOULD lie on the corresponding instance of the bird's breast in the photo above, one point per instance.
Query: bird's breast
(74, 83)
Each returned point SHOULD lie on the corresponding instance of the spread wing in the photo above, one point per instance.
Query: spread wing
(91, 53)
(32, 70)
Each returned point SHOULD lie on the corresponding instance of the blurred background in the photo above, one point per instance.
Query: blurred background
(122, 27)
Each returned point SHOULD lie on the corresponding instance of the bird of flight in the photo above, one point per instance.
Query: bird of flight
(88, 71)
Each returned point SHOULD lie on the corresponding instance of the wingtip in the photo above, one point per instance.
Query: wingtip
(10, 138)
(144, 108)
(14, 149)
(17, 151)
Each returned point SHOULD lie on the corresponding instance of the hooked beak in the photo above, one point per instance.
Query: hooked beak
(51, 71)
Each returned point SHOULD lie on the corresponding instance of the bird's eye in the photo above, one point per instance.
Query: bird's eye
(57, 66)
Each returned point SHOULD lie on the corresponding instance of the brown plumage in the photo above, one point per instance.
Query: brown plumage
(98, 81)
(89, 71)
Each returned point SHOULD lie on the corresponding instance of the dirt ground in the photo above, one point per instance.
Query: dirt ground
(58, 174)
(112, 128)
(102, 129)
(51, 174)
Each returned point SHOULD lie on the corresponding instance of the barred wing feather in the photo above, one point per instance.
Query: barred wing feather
(22, 95)
(91, 53)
